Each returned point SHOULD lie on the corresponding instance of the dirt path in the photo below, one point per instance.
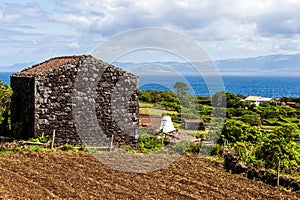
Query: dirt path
(78, 175)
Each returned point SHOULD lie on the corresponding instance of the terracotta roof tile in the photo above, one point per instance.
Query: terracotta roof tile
(150, 121)
(48, 65)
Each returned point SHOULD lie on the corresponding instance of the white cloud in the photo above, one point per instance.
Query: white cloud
(74, 45)
(11, 11)
(227, 28)
(112, 16)
(73, 19)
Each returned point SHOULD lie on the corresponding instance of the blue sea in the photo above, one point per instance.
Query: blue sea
(261, 85)
(258, 86)
(5, 76)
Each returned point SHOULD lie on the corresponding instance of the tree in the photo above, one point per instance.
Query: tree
(280, 145)
(233, 101)
(233, 131)
(145, 96)
(252, 119)
(228, 99)
(241, 96)
(181, 87)
(219, 99)
(5, 99)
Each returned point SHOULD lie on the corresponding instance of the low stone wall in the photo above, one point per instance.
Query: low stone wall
(232, 163)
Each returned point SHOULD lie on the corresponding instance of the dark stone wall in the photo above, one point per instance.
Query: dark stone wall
(117, 105)
(22, 109)
(53, 105)
(105, 104)
(85, 107)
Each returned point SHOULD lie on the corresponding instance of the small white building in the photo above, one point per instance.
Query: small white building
(166, 124)
(256, 100)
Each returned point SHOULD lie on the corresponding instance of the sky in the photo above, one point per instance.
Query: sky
(34, 31)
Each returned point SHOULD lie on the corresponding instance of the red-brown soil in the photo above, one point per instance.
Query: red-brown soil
(78, 175)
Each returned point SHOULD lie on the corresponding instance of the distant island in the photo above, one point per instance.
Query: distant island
(272, 65)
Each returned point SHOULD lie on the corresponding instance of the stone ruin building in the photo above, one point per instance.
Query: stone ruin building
(83, 99)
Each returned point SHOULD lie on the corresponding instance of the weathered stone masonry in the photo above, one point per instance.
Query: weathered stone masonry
(47, 97)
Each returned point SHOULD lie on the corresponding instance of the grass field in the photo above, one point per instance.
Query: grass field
(147, 109)
(192, 132)
(155, 112)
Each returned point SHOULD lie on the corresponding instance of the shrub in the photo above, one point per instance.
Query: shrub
(180, 147)
(252, 119)
(279, 144)
(194, 148)
(67, 147)
(200, 135)
(41, 139)
(5, 99)
(148, 143)
(34, 148)
(233, 131)
(216, 150)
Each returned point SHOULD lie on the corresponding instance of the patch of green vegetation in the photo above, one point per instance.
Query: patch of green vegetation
(3, 152)
(194, 148)
(17, 149)
(193, 132)
(5, 101)
(180, 147)
(41, 139)
(69, 147)
(177, 125)
(145, 105)
(259, 135)
(91, 150)
(34, 148)
(149, 143)
(267, 127)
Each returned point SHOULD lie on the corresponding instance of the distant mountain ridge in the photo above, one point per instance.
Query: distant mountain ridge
(272, 65)
(265, 65)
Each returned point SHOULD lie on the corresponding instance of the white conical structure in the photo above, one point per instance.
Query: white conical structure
(166, 124)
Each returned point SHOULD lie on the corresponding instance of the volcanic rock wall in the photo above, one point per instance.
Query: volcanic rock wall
(85, 101)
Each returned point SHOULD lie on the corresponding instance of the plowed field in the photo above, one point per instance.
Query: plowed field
(78, 175)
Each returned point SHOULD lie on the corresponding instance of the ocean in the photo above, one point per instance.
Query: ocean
(5, 76)
(260, 86)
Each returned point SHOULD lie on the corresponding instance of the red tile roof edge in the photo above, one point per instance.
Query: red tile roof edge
(33, 70)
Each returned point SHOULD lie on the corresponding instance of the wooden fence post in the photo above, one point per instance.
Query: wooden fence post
(53, 138)
(111, 143)
(278, 171)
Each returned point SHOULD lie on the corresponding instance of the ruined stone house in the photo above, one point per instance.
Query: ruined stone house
(83, 99)
(194, 124)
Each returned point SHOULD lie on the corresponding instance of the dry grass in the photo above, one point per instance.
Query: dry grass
(155, 112)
